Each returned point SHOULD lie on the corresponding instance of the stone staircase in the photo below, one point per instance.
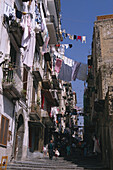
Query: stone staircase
(43, 164)
(37, 161)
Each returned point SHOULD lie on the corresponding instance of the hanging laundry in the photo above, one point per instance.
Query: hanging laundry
(44, 48)
(6, 9)
(61, 39)
(12, 14)
(57, 45)
(63, 34)
(70, 45)
(71, 37)
(44, 26)
(61, 49)
(75, 37)
(26, 35)
(37, 13)
(65, 72)
(25, 7)
(82, 73)
(18, 14)
(64, 31)
(83, 39)
(65, 60)
(75, 70)
(58, 65)
(25, 0)
(29, 52)
(67, 46)
(79, 38)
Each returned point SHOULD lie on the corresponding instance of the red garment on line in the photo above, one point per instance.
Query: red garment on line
(57, 45)
(79, 38)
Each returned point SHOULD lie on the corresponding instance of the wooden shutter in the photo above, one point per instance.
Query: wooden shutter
(33, 95)
(25, 75)
(4, 130)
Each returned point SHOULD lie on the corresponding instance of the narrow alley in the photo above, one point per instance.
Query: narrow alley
(56, 85)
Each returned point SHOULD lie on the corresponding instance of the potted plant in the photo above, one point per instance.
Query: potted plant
(38, 101)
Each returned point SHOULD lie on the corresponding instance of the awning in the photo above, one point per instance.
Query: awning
(36, 123)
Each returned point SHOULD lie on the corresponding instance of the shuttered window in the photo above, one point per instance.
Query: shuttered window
(4, 130)
(25, 75)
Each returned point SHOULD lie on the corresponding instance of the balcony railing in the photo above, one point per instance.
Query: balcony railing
(52, 29)
(38, 72)
(55, 81)
(55, 98)
(35, 112)
(47, 81)
(15, 34)
(12, 84)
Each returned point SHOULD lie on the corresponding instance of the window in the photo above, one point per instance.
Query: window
(25, 75)
(4, 130)
(13, 55)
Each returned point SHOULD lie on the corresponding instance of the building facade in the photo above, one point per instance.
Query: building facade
(34, 103)
(98, 95)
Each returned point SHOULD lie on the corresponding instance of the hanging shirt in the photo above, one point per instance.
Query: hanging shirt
(67, 46)
(7, 9)
(65, 72)
(58, 65)
(75, 37)
(44, 48)
(83, 39)
(75, 70)
(82, 73)
(29, 52)
(79, 38)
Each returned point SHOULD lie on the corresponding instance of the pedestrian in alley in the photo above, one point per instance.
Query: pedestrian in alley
(68, 150)
(44, 150)
(56, 153)
(96, 148)
(50, 149)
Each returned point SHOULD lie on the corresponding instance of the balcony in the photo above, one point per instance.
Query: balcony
(46, 119)
(12, 84)
(35, 112)
(47, 56)
(49, 97)
(55, 81)
(39, 39)
(15, 34)
(52, 30)
(38, 72)
(54, 9)
(55, 98)
(46, 83)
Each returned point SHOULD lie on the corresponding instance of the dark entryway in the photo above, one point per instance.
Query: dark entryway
(19, 138)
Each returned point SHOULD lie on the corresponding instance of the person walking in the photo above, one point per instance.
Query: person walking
(56, 153)
(68, 150)
(50, 149)
(96, 149)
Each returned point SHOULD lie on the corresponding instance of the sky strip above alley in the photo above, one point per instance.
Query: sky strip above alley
(77, 18)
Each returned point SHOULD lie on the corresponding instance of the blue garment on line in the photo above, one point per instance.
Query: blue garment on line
(65, 72)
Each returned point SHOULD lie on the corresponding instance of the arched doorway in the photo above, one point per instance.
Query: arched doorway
(19, 137)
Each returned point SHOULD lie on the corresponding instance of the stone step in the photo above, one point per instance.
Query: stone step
(47, 162)
(26, 168)
(57, 166)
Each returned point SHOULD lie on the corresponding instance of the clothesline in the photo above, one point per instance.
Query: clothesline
(72, 37)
